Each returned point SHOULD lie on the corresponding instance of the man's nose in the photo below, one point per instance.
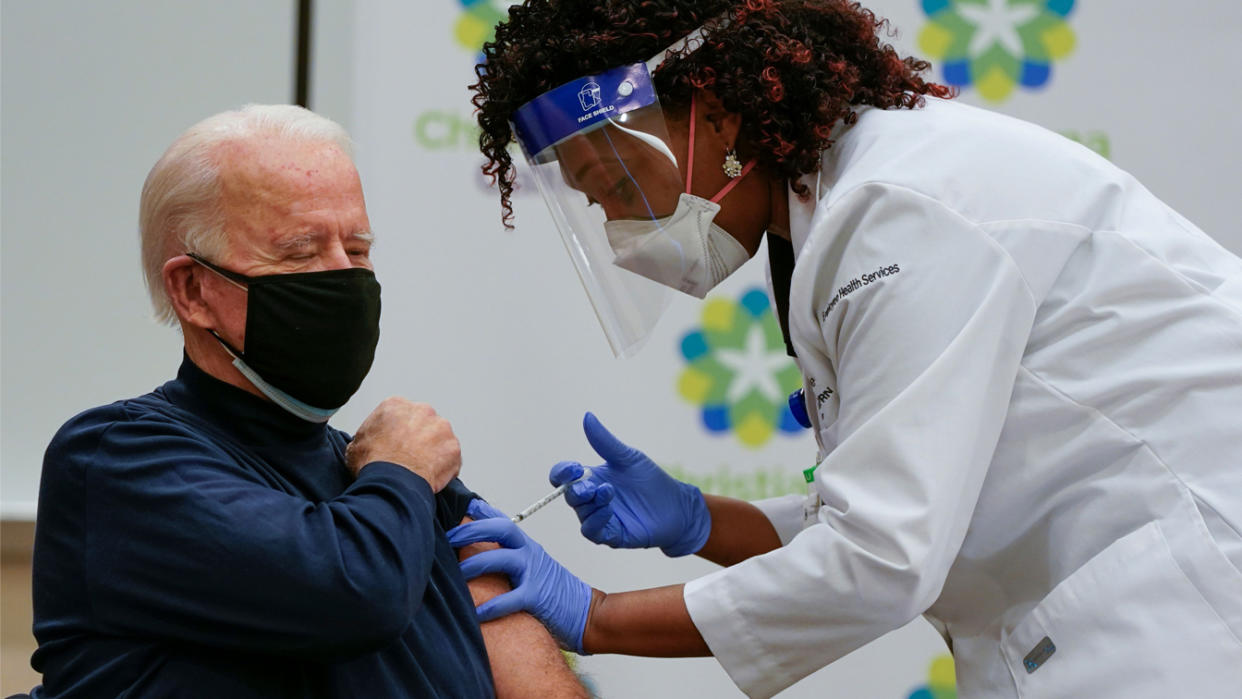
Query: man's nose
(335, 256)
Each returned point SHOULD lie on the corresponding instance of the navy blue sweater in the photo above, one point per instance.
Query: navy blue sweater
(199, 541)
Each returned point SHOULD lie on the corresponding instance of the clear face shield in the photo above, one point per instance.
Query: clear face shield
(600, 152)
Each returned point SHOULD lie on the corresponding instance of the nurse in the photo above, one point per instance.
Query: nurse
(1024, 371)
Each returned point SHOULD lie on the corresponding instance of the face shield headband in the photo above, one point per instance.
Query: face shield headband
(599, 151)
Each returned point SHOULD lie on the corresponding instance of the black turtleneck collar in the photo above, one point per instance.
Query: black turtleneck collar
(254, 418)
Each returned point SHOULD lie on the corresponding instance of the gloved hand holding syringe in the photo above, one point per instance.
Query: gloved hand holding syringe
(628, 501)
(539, 504)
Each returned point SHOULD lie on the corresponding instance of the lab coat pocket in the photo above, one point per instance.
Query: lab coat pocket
(1128, 623)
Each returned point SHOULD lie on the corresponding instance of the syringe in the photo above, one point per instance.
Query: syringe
(538, 504)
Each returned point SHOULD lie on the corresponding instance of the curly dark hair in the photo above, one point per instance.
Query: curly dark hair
(791, 69)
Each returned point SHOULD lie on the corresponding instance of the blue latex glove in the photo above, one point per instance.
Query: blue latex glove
(541, 586)
(630, 502)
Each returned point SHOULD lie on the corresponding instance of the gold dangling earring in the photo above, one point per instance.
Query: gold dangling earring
(732, 166)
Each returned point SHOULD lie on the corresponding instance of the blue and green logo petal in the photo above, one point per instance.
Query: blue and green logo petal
(941, 681)
(997, 45)
(738, 372)
(477, 23)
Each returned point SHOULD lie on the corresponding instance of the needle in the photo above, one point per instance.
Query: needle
(539, 504)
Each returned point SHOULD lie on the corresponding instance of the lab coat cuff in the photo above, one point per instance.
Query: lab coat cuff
(785, 514)
(721, 622)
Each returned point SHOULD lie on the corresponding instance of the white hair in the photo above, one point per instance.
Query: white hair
(180, 208)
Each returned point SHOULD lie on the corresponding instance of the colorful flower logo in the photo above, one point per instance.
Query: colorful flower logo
(941, 681)
(997, 44)
(738, 371)
(478, 21)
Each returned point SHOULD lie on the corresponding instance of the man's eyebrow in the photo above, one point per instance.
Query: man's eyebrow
(298, 241)
(365, 236)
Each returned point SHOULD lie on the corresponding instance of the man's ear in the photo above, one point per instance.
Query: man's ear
(724, 125)
(183, 280)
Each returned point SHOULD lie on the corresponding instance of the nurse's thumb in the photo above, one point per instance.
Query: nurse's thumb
(611, 449)
(501, 605)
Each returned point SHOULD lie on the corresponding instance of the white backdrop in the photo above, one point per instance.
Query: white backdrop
(92, 94)
(494, 329)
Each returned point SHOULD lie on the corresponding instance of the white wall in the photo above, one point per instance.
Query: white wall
(92, 94)
(491, 327)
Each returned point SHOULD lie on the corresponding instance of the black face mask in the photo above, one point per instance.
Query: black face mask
(312, 335)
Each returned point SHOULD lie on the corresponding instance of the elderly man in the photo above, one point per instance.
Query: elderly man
(215, 538)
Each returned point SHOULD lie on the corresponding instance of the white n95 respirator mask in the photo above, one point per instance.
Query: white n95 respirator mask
(686, 251)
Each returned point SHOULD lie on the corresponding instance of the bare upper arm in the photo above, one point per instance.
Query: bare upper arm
(526, 661)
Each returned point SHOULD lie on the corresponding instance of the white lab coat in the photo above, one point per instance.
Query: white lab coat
(1025, 377)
